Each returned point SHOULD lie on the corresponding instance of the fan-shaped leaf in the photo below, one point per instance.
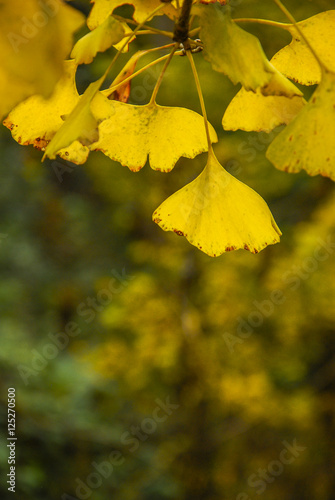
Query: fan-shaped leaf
(308, 141)
(132, 133)
(296, 61)
(217, 213)
(252, 111)
(36, 120)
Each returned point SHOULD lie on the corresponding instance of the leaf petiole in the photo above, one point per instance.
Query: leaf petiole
(161, 76)
(267, 22)
(150, 29)
(147, 66)
(201, 99)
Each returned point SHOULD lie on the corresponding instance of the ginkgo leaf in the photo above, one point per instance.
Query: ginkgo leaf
(109, 33)
(308, 141)
(80, 124)
(143, 8)
(35, 38)
(217, 213)
(238, 54)
(36, 120)
(252, 111)
(164, 134)
(296, 61)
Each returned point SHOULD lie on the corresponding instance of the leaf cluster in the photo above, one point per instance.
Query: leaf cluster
(215, 212)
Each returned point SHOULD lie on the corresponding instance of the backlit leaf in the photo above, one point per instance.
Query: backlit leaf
(238, 54)
(35, 38)
(296, 61)
(252, 111)
(217, 213)
(308, 141)
(164, 134)
(109, 33)
(102, 9)
(36, 120)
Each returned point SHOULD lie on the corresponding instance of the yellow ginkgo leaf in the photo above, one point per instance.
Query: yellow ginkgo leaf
(308, 141)
(109, 33)
(80, 124)
(35, 38)
(132, 133)
(296, 61)
(238, 54)
(36, 120)
(252, 111)
(102, 9)
(217, 213)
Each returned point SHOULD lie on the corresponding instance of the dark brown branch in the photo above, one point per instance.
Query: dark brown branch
(180, 33)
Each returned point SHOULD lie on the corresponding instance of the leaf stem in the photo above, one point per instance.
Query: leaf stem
(138, 72)
(267, 22)
(161, 76)
(201, 99)
(138, 27)
(146, 27)
(294, 22)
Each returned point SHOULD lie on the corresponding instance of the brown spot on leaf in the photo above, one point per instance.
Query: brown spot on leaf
(180, 233)
(230, 249)
(290, 138)
(39, 143)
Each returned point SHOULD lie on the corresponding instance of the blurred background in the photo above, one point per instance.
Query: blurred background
(144, 369)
